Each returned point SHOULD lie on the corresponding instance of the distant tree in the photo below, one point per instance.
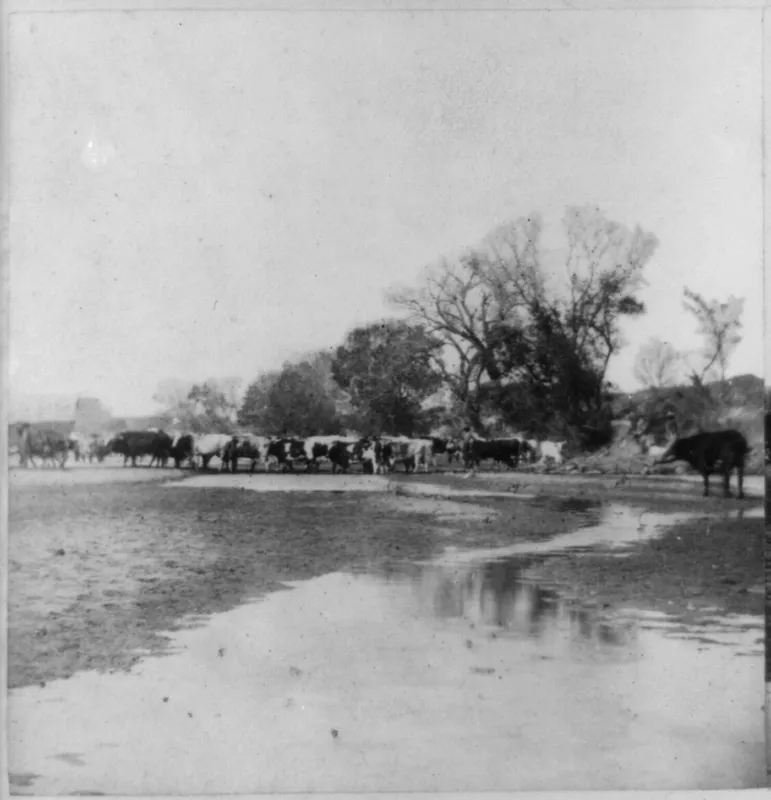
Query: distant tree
(255, 405)
(208, 410)
(301, 398)
(172, 394)
(208, 407)
(719, 325)
(657, 364)
(298, 403)
(230, 388)
(389, 369)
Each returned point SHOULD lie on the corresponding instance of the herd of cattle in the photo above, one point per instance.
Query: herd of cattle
(377, 454)
(708, 453)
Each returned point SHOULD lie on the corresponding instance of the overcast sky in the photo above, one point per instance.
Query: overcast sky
(201, 194)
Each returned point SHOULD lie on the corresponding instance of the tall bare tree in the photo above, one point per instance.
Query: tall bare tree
(497, 317)
(719, 324)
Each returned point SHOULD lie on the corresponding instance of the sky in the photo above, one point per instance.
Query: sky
(199, 194)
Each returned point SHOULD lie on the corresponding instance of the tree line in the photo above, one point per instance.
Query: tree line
(491, 338)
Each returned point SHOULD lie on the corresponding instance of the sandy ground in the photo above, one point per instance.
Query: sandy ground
(375, 638)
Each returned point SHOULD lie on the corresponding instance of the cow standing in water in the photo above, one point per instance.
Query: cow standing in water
(719, 451)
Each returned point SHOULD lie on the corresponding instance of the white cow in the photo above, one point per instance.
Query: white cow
(551, 450)
(208, 445)
(411, 452)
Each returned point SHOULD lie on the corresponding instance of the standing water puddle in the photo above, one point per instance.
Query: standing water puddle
(459, 676)
(611, 526)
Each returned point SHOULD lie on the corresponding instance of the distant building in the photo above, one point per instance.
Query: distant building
(64, 413)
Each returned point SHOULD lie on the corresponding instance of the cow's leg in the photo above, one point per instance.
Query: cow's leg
(740, 479)
(727, 480)
(706, 483)
(205, 462)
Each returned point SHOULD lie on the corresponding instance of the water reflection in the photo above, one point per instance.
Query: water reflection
(579, 505)
(497, 596)
(585, 510)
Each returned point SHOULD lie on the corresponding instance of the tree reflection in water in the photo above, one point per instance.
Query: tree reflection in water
(497, 594)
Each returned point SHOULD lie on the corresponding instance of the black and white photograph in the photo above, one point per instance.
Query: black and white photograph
(386, 398)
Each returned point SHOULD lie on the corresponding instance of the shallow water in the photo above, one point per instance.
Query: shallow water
(423, 677)
(616, 527)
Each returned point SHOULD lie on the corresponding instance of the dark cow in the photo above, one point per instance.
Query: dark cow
(45, 444)
(286, 452)
(294, 450)
(444, 447)
(340, 456)
(254, 448)
(181, 449)
(718, 451)
(502, 451)
(277, 451)
(135, 444)
(97, 449)
(317, 448)
(768, 438)
(385, 457)
(76, 447)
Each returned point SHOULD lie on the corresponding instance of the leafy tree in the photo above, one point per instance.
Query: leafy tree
(208, 410)
(254, 408)
(388, 370)
(298, 403)
(301, 398)
(657, 364)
